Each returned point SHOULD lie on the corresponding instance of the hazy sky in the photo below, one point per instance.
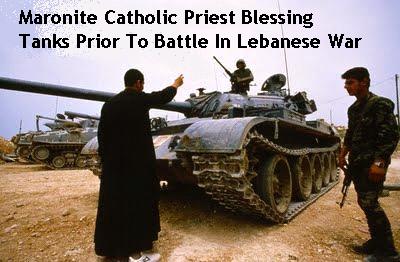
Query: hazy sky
(316, 71)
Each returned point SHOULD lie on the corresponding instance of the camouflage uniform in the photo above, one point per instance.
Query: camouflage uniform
(242, 86)
(372, 134)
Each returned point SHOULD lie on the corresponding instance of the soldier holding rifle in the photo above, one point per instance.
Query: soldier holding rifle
(370, 140)
(240, 78)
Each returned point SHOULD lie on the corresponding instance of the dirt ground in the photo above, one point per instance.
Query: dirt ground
(50, 215)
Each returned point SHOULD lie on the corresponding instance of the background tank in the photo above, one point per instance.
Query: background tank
(61, 147)
(23, 141)
(252, 154)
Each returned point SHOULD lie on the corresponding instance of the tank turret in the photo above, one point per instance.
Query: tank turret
(266, 103)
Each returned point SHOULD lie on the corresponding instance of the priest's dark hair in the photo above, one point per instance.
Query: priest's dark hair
(132, 76)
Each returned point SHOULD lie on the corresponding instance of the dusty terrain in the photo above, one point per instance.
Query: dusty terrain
(49, 216)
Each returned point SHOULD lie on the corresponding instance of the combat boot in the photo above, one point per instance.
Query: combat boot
(366, 248)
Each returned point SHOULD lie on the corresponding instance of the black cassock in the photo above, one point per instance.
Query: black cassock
(127, 216)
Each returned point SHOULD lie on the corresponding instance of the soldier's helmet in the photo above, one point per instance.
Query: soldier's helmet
(240, 61)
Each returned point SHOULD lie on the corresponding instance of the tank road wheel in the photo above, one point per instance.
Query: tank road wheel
(301, 177)
(274, 184)
(23, 151)
(58, 161)
(326, 169)
(316, 167)
(334, 175)
(41, 153)
(80, 162)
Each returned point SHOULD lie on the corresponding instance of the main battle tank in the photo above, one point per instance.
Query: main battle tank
(23, 141)
(252, 154)
(61, 147)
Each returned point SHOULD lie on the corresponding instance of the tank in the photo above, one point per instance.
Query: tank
(253, 154)
(23, 141)
(61, 147)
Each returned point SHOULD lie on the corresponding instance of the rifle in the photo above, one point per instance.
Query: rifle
(346, 185)
(226, 70)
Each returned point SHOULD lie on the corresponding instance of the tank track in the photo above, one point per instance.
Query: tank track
(70, 152)
(227, 178)
(26, 157)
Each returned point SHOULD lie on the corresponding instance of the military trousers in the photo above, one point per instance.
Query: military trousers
(367, 198)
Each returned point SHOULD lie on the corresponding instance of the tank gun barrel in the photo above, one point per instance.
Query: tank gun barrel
(80, 115)
(38, 117)
(54, 119)
(72, 92)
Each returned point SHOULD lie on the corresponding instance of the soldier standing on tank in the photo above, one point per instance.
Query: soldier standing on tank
(128, 218)
(241, 78)
(370, 140)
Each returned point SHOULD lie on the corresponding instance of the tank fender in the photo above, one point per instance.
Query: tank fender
(161, 146)
(91, 147)
(164, 146)
(217, 135)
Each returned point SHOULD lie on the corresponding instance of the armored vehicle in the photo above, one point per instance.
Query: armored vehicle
(254, 154)
(61, 148)
(23, 141)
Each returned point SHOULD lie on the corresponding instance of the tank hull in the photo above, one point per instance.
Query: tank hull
(224, 156)
(62, 149)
